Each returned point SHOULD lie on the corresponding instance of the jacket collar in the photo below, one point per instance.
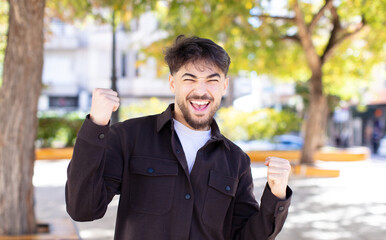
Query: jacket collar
(167, 116)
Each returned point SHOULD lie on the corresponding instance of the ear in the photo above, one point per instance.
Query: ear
(172, 84)
(225, 85)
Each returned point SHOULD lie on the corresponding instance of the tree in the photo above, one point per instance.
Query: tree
(330, 44)
(19, 92)
(19, 95)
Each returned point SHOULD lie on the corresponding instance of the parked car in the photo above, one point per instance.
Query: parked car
(280, 142)
(288, 142)
(255, 145)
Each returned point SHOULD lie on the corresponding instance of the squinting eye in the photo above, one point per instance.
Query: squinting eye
(213, 80)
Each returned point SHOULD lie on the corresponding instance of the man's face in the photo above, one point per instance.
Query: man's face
(198, 90)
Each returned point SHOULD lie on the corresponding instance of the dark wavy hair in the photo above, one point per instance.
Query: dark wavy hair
(192, 49)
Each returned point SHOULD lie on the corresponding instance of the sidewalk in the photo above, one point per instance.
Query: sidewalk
(352, 206)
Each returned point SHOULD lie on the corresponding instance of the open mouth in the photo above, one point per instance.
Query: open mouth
(200, 105)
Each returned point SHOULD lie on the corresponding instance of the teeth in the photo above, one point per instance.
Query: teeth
(199, 103)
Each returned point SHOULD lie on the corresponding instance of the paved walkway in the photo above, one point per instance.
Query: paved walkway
(352, 206)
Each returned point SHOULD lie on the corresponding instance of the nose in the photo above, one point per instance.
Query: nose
(201, 88)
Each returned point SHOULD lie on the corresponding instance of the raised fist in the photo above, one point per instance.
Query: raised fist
(277, 175)
(104, 103)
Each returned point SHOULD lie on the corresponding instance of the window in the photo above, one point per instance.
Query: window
(63, 102)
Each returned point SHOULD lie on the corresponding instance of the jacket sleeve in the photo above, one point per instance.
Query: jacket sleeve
(251, 221)
(95, 171)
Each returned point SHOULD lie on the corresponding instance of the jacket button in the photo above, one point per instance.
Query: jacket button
(227, 188)
(187, 196)
(101, 136)
(150, 170)
(178, 150)
(281, 209)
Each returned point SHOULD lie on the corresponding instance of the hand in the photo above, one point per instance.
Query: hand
(104, 103)
(277, 175)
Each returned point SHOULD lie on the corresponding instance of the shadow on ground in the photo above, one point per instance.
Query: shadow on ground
(351, 207)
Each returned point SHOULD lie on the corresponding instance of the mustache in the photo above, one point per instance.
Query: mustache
(197, 97)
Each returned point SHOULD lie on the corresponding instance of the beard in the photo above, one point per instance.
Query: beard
(202, 123)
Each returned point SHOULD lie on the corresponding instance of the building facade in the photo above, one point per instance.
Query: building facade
(79, 59)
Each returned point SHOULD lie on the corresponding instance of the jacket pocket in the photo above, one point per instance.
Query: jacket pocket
(152, 183)
(221, 191)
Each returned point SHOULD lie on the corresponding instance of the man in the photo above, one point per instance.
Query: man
(177, 176)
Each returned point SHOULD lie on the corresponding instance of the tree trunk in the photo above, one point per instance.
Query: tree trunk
(322, 139)
(315, 122)
(19, 96)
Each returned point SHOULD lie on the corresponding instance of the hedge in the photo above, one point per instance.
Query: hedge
(58, 131)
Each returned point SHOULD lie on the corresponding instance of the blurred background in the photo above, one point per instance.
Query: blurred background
(295, 65)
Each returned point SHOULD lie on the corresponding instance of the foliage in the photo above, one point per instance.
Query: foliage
(262, 36)
(56, 130)
(143, 108)
(259, 124)
(99, 10)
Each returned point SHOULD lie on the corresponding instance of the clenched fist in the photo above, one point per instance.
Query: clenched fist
(104, 103)
(277, 175)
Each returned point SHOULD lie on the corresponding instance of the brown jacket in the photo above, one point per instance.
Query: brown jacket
(143, 161)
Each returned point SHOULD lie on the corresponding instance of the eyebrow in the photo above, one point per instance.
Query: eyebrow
(194, 76)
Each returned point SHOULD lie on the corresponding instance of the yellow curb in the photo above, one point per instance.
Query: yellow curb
(355, 154)
(310, 171)
(256, 156)
(260, 156)
(53, 153)
(343, 155)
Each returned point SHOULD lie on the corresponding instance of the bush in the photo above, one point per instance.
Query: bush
(60, 130)
(260, 124)
(56, 130)
(143, 108)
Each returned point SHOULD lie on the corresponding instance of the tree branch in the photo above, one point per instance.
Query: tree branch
(334, 42)
(319, 15)
(276, 17)
(312, 57)
(335, 17)
(335, 30)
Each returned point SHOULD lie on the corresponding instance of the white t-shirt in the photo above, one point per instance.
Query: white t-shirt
(191, 141)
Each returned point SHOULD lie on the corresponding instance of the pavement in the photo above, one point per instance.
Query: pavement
(350, 207)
